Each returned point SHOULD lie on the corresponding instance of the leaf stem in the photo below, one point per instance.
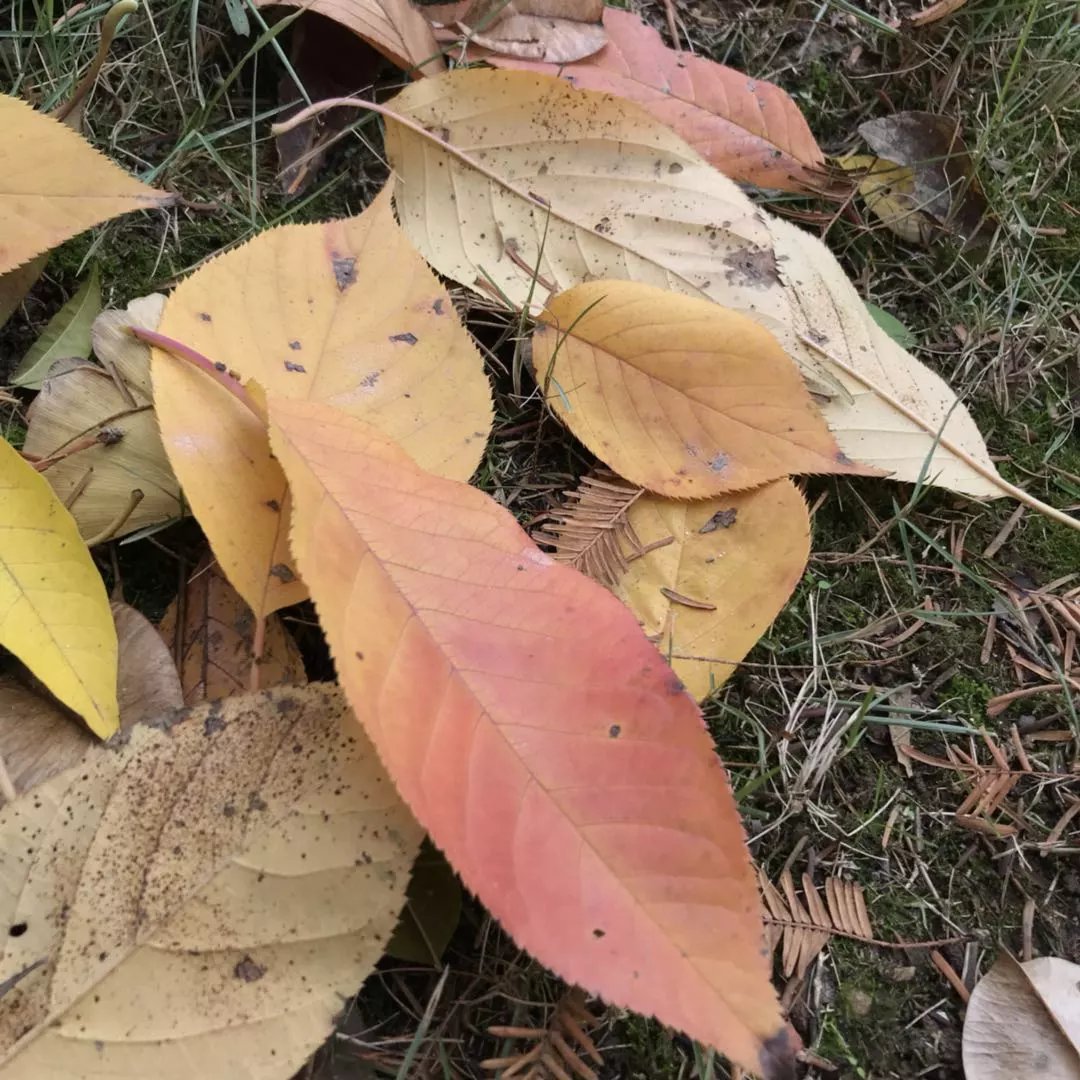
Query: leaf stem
(985, 471)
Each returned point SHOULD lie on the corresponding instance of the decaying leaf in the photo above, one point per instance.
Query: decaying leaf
(310, 311)
(1024, 1020)
(576, 791)
(53, 185)
(733, 563)
(203, 894)
(431, 912)
(54, 614)
(888, 190)
(215, 648)
(507, 174)
(394, 27)
(15, 284)
(676, 394)
(67, 335)
(94, 434)
(749, 129)
(550, 31)
(805, 930)
(39, 739)
(944, 185)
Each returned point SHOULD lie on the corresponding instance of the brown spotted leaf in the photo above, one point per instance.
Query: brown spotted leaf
(202, 893)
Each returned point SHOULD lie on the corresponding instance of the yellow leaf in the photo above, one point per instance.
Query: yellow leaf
(54, 614)
(500, 174)
(344, 313)
(203, 897)
(96, 428)
(54, 184)
(678, 395)
(733, 563)
(217, 637)
(888, 190)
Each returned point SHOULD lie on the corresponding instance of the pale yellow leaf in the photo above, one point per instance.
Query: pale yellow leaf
(888, 189)
(54, 614)
(733, 563)
(534, 175)
(204, 895)
(54, 184)
(345, 313)
(1023, 1020)
(540, 37)
(96, 427)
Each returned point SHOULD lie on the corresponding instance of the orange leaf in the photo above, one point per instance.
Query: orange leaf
(536, 734)
(394, 27)
(748, 128)
(310, 311)
(681, 396)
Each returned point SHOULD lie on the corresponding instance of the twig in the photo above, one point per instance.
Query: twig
(117, 522)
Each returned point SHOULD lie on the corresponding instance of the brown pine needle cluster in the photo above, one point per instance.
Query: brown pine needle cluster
(559, 1050)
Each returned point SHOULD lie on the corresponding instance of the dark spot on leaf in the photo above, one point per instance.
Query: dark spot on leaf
(437, 306)
(274, 505)
(229, 810)
(674, 684)
(843, 459)
(248, 970)
(719, 463)
(614, 731)
(219, 366)
(369, 380)
(409, 339)
(603, 226)
(754, 266)
(282, 573)
(674, 167)
(598, 933)
(294, 345)
(17, 929)
(722, 519)
(290, 366)
(205, 316)
(213, 723)
(344, 270)
(255, 801)
(359, 655)
(110, 436)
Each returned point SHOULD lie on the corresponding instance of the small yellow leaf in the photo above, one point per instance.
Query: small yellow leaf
(888, 189)
(204, 896)
(54, 614)
(683, 397)
(706, 597)
(54, 184)
(345, 313)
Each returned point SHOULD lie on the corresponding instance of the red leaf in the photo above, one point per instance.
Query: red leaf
(748, 128)
(537, 735)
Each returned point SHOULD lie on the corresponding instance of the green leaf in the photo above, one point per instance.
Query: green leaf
(67, 335)
(892, 326)
(432, 910)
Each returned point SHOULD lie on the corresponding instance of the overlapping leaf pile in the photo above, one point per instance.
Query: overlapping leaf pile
(322, 407)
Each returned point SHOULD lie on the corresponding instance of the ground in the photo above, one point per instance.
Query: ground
(802, 726)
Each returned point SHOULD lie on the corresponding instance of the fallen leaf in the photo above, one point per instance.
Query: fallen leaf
(888, 189)
(944, 182)
(552, 31)
(892, 326)
(749, 129)
(576, 186)
(39, 738)
(67, 335)
(311, 311)
(676, 394)
(217, 641)
(15, 284)
(394, 27)
(54, 185)
(548, 750)
(736, 560)
(935, 12)
(55, 614)
(431, 912)
(204, 894)
(1023, 1020)
(96, 427)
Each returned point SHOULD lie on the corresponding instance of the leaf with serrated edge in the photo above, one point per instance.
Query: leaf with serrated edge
(205, 893)
(54, 614)
(678, 395)
(749, 129)
(311, 311)
(734, 561)
(54, 184)
(217, 640)
(580, 186)
(547, 748)
(394, 27)
(67, 335)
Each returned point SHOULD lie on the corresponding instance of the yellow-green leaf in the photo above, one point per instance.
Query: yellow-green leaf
(54, 613)
(67, 335)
